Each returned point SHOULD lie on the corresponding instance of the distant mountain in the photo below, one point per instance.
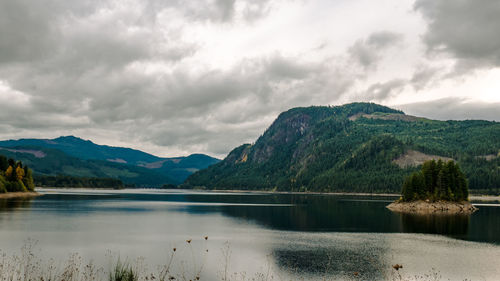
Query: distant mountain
(77, 157)
(358, 147)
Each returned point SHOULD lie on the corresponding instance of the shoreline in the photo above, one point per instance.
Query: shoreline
(11, 195)
(475, 198)
(427, 208)
(224, 191)
(295, 192)
(484, 198)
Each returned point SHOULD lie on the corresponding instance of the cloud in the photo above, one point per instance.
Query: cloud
(97, 80)
(454, 109)
(383, 91)
(367, 52)
(177, 77)
(466, 30)
(424, 76)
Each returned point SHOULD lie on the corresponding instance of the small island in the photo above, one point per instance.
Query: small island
(438, 187)
(16, 179)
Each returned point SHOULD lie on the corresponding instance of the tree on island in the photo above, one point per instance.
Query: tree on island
(436, 181)
(14, 176)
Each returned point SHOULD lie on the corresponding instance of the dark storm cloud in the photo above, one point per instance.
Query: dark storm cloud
(367, 52)
(468, 30)
(454, 109)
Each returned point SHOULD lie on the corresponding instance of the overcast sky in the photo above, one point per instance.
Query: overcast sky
(174, 77)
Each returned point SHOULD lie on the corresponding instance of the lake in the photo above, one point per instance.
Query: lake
(289, 236)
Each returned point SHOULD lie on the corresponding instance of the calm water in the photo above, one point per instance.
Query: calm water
(302, 237)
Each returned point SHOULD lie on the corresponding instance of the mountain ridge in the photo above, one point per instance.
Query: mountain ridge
(325, 149)
(86, 156)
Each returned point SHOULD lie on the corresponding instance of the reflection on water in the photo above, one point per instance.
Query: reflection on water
(9, 204)
(304, 236)
(452, 225)
(334, 259)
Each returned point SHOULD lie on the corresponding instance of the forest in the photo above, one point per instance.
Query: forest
(14, 176)
(352, 148)
(436, 181)
(70, 181)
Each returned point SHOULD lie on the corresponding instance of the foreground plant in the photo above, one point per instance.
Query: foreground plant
(29, 267)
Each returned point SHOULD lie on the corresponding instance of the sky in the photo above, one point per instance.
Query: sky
(173, 77)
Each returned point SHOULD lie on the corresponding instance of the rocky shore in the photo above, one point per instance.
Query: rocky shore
(439, 207)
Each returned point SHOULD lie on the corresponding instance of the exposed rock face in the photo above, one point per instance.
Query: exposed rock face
(440, 207)
(388, 116)
(289, 128)
(413, 158)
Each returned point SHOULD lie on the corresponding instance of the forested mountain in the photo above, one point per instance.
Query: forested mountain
(52, 162)
(358, 147)
(86, 149)
(77, 157)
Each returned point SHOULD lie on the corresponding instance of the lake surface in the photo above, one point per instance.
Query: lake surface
(299, 237)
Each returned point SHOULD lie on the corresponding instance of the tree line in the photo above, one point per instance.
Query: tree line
(435, 181)
(71, 181)
(14, 176)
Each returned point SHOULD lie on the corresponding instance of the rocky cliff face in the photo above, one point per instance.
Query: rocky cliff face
(286, 130)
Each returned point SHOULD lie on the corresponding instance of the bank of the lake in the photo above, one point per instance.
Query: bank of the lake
(484, 198)
(11, 195)
(295, 192)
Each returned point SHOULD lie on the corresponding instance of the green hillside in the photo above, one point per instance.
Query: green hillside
(52, 162)
(358, 147)
(176, 169)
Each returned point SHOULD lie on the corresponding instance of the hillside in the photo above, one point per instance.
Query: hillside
(47, 161)
(77, 157)
(358, 147)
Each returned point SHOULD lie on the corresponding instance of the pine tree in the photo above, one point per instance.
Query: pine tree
(407, 191)
(428, 173)
(4, 164)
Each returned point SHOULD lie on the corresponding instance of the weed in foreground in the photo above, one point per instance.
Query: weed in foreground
(29, 267)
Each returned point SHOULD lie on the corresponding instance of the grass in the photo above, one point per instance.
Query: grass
(28, 266)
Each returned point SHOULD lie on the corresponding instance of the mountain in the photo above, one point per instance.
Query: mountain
(358, 147)
(77, 157)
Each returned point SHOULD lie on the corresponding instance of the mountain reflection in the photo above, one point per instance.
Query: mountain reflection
(327, 213)
(452, 225)
(289, 212)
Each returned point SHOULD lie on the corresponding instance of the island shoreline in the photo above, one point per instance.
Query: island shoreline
(421, 207)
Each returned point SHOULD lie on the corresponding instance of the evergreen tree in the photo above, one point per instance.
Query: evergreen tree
(436, 181)
(4, 164)
(463, 186)
(407, 190)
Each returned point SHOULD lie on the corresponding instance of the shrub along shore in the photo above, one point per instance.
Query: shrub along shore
(15, 177)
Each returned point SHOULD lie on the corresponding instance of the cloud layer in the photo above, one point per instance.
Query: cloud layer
(173, 77)
(467, 30)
